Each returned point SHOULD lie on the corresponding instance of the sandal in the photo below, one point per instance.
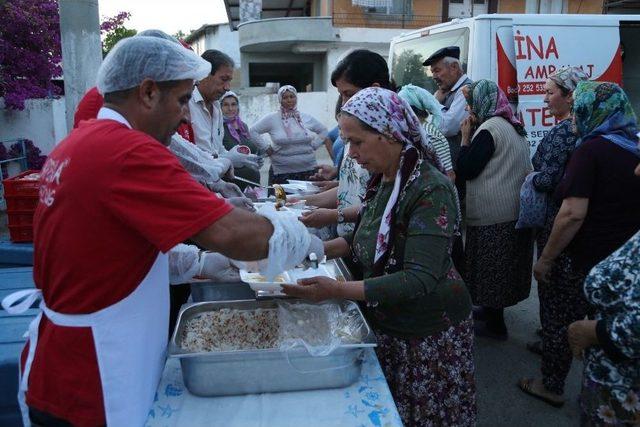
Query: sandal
(527, 385)
(535, 347)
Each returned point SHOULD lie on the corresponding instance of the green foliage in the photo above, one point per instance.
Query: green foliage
(408, 68)
(114, 37)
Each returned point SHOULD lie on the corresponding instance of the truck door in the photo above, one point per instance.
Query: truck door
(544, 44)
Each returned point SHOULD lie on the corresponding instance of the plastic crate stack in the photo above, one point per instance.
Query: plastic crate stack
(21, 193)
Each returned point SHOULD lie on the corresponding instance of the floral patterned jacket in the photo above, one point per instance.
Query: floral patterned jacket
(613, 289)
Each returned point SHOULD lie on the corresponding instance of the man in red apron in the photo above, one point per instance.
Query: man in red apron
(113, 201)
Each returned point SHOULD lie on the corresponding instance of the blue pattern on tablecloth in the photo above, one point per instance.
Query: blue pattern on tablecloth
(367, 402)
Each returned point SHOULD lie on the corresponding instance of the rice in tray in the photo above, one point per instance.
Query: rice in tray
(231, 329)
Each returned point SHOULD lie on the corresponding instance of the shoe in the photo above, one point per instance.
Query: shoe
(481, 330)
(535, 347)
(532, 387)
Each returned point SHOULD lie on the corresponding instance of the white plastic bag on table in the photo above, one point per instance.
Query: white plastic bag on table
(320, 328)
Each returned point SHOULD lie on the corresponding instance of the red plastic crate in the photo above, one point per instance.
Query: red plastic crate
(22, 203)
(21, 233)
(20, 217)
(19, 187)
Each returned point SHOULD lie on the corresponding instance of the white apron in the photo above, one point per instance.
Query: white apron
(130, 338)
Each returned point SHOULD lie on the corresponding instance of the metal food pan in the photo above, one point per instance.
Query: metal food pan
(214, 291)
(264, 371)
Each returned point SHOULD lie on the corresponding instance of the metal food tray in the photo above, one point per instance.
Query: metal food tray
(264, 371)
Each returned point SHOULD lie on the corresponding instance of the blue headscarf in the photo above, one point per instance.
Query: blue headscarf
(603, 109)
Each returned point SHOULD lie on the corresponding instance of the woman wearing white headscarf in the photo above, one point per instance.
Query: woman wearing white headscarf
(429, 111)
(415, 300)
(295, 136)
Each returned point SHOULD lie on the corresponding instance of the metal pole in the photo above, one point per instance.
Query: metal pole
(81, 50)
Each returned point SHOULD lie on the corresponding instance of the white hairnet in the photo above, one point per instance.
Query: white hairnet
(157, 33)
(137, 58)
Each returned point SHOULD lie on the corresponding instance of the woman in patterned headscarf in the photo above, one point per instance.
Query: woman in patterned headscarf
(561, 298)
(236, 132)
(493, 162)
(600, 196)
(295, 137)
(415, 299)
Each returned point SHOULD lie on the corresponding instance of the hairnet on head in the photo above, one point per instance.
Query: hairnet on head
(137, 58)
(157, 33)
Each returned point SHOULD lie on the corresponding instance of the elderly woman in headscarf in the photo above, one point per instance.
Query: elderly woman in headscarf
(295, 136)
(236, 132)
(561, 298)
(429, 112)
(413, 297)
(600, 211)
(493, 162)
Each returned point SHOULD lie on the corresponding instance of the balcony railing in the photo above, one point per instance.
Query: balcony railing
(383, 20)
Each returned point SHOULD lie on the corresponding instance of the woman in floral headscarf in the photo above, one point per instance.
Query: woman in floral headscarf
(295, 137)
(493, 162)
(561, 298)
(600, 211)
(415, 299)
(236, 132)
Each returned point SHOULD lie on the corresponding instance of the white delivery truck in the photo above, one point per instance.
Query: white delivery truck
(519, 51)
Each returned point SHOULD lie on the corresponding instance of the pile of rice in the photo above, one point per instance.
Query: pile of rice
(231, 329)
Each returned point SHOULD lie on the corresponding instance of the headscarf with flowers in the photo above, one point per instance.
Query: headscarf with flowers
(603, 109)
(487, 100)
(237, 129)
(568, 77)
(386, 113)
(290, 116)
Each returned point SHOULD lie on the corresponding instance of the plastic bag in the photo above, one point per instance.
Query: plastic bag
(320, 328)
(183, 264)
(199, 163)
(288, 245)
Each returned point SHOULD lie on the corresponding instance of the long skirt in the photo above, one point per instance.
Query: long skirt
(562, 302)
(499, 260)
(432, 378)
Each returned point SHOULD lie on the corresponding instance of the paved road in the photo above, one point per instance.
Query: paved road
(499, 365)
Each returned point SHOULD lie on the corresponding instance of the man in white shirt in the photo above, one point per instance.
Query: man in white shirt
(206, 115)
(448, 74)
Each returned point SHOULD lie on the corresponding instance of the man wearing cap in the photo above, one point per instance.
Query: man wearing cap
(113, 201)
(448, 74)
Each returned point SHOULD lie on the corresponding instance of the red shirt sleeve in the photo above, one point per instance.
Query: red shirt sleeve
(88, 106)
(156, 197)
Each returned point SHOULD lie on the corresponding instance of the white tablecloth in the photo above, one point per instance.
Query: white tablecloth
(367, 402)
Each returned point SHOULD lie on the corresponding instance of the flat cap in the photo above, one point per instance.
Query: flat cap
(452, 51)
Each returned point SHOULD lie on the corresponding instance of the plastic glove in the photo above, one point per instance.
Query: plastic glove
(242, 203)
(226, 189)
(316, 246)
(240, 160)
(217, 267)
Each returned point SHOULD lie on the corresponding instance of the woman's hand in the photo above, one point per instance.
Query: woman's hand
(325, 173)
(319, 217)
(325, 185)
(466, 128)
(582, 335)
(542, 268)
(314, 289)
